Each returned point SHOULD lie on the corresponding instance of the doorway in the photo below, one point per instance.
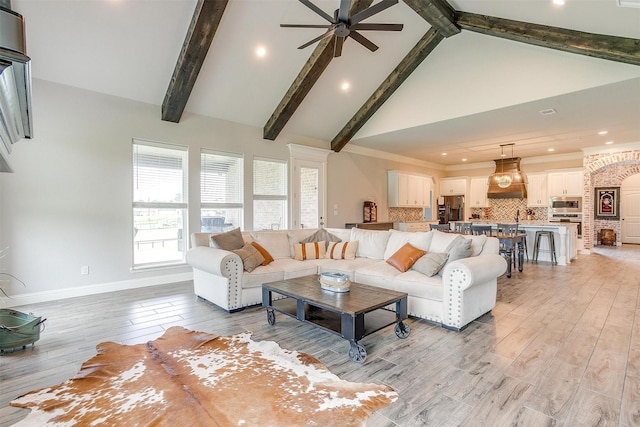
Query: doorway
(308, 194)
(630, 209)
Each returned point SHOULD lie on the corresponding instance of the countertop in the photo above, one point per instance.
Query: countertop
(531, 222)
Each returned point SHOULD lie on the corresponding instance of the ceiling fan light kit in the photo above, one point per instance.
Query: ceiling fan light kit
(342, 25)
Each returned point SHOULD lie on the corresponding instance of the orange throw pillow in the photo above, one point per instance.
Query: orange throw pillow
(405, 257)
(267, 256)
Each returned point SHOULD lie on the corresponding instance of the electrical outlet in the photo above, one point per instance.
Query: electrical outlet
(84, 270)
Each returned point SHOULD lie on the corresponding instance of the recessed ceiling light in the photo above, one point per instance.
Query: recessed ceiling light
(345, 86)
(551, 149)
(608, 142)
(261, 52)
(464, 160)
(603, 132)
(444, 154)
(558, 2)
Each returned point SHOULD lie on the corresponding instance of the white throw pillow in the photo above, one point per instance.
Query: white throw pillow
(477, 243)
(398, 239)
(371, 243)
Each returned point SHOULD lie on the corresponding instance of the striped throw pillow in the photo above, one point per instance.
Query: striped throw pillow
(342, 250)
(313, 250)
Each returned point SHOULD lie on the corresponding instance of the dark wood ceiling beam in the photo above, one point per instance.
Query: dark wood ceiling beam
(411, 61)
(203, 27)
(612, 48)
(438, 13)
(307, 77)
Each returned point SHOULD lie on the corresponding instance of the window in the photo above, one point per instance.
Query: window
(159, 203)
(269, 194)
(221, 191)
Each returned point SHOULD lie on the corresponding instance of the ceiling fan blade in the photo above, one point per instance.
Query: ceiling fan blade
(337, 47)
(343, 12)
(305, 26)
(363, 41)
(317, 39)
(376, 8)
(377, 27)
(317, 10)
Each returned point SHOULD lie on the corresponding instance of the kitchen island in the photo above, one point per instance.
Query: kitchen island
(565, 236)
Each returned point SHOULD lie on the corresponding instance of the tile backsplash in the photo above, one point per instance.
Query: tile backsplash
(504, 210)
(406, 214)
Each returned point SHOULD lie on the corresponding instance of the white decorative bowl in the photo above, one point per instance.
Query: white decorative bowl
(335, 282)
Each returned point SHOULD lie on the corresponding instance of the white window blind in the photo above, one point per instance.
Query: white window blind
(270, 198)
(221, 190)
(159, 203)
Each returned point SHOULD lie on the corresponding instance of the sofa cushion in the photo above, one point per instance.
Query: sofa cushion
(430, 263)
(371, 243)
(344, 234)
(418, 285)
(229, 241)
(251, 257)
(342, 250)
(345, 266)
(304, 251)
(275, 242)
(265, 254)
(405, 257)
(378, 274)
(263, 274)
(397, 239)
(441, 242)
(321, 235)
(293, 268)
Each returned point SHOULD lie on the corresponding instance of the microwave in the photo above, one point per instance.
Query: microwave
(565, 204)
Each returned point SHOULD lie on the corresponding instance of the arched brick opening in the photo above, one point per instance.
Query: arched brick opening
(604, 170)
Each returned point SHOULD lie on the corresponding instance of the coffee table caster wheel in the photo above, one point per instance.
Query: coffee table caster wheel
(271, 317)
(357, 353)
(402, 330)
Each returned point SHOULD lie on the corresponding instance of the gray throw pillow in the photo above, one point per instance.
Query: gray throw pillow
(460, 249)
(430, 263)
(229, 241)
(322, 235)
(251, 257)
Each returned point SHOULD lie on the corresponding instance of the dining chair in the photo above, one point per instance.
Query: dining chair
(441, 227)
(480, 229)
(463, 227)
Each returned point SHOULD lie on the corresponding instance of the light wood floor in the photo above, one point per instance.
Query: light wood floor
(561, 348)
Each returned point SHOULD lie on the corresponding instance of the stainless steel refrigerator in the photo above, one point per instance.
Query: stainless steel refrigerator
(450, 208)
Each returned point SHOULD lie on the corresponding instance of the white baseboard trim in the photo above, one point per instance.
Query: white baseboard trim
(57, 294)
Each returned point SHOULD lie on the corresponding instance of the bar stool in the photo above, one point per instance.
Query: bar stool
(552, 247)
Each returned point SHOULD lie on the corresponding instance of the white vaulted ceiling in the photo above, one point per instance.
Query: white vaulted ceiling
(472, 93)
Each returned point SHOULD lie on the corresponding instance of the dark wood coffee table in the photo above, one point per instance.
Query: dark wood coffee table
(352, 315)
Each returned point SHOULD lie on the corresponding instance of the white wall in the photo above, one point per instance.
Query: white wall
(68, 204)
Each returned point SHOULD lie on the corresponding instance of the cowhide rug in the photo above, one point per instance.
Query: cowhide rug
(188, 378)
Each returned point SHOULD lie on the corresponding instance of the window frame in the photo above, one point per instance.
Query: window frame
(268, 197)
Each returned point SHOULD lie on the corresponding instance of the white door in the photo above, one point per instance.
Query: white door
(308, 194)
(630, 209)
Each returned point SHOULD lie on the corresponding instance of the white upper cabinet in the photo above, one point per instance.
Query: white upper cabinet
(567, 183)
(537, 190)
(478, 192)
(408, 191)
(453, 187)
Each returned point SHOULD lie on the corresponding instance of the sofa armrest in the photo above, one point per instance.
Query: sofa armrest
(470, 288)
(477, 269)
(215, 261)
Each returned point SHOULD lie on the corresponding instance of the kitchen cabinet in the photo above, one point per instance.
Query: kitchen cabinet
(453, 187)
(478, 193)
(413, 226)
(568, 183)
(406, 190)
(537, 190)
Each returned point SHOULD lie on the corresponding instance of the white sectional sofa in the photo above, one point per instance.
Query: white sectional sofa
(462, 291)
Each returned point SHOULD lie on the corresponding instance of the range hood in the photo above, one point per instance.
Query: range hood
(508, 181)
(15, 83)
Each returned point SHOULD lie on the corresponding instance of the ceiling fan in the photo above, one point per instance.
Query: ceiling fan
(342, 25)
